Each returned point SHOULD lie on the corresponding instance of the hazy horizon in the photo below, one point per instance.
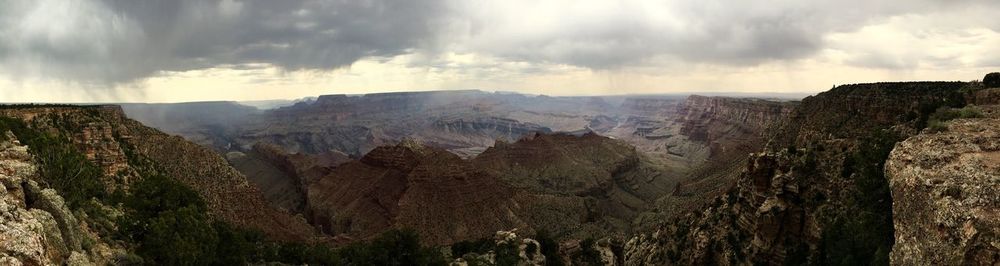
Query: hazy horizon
(761, 95)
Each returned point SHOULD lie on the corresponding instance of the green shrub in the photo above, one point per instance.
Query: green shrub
(992, 80)
(936, 122)
(507, 254)
(394, 247)
(937, 126)
(863, 234)
(589, 255)
(549, 247)
(481, 246)
(179, 237)
(530, 250)
(60, 165)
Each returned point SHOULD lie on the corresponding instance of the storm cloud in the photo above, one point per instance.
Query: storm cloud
(123, 40)
(116, 41)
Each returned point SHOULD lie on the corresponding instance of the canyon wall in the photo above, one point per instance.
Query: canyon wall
(816, 194)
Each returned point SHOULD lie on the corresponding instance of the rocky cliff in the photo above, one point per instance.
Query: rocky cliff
(816, 194)
(479, 131)
(36, 226)
(717, 133)
(946, 194)
(730, 125)
(122, 147)
(651, 106)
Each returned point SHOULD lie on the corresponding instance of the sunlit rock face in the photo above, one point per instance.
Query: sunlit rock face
(946, 194)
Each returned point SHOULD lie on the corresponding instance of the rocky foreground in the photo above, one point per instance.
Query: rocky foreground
(36, 226)
(946, 194)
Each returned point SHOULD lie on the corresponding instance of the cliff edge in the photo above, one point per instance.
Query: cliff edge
(946, 194)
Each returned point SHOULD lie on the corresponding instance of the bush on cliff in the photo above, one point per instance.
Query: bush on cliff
(992, 80)
(168, 222)
(865, 234)
(936, 122)
(60, 165)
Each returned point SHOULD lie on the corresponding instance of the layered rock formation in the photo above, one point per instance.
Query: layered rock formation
(462, 132)
(730, 125)
(651, 106)
(716, 134)
(946, 194)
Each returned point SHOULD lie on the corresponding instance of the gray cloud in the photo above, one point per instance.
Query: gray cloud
(115, 41)
(123, 40)
(707, 31)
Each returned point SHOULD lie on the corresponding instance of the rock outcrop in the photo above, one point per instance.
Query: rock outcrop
(36, 227)
(527, 250)
(946, 194)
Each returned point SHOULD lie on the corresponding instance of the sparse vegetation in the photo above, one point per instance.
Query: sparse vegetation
(61, 166)
(937, 121)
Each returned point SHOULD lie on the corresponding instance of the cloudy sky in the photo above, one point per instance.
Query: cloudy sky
(189, 50)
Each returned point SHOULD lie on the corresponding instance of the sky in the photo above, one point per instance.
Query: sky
(199, 50)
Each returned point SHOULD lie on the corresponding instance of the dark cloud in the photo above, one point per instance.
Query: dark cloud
(115, 41)
(124, 40)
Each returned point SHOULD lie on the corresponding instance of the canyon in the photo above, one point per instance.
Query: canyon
(612, 162)
(899, 173)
